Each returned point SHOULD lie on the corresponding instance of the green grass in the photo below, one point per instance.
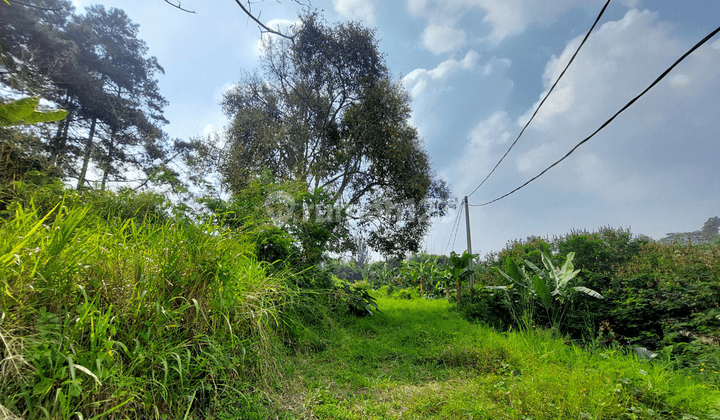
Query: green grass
(115, 319)
(417, 359)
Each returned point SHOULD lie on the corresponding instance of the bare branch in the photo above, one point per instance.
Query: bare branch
(178, 6)
(36, 7)
(262, 25)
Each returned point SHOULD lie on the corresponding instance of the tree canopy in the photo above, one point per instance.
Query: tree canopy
(95, 66)
(325, 111)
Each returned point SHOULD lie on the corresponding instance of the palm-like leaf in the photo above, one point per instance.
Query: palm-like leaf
(589, 292)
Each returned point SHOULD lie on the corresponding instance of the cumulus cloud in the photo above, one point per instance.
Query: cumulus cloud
(356, 10)
(649, 141)
(417, 80)
(503, 18)
(443, 38)
(482, 147)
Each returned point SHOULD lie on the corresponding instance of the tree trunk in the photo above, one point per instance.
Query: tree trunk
(86, 157)
(108, 162)
(58, 146)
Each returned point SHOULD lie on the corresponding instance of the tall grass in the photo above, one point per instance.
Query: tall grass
(104, 317)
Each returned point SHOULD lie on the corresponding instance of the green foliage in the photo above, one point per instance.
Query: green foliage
(25, 111)
(417, 359)
(114, 316)
(94, 66)
(356, 298)
(549, 287)
(328, 91)
(459, 269)
(489, 306)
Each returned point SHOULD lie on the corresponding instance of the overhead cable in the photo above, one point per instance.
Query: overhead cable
(545, 98)
(456, 224)
(662, 76)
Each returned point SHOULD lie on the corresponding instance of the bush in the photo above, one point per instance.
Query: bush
(487, 306)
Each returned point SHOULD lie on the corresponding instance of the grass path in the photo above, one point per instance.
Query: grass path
(419, 360)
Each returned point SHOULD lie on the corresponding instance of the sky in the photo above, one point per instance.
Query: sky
(476, 70)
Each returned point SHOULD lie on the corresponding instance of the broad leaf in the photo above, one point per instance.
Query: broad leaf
(24, 111)
(589, 292)
(542, 291)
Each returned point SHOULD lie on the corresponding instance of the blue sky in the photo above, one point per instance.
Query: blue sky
(476, 69)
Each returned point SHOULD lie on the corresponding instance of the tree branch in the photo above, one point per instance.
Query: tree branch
(178, 6)
(47, 9)
(262, 25)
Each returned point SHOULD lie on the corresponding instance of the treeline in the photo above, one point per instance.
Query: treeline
(93, 65)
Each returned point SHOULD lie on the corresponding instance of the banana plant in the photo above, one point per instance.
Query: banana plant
(426, 271)
(549, 286)
(560, 277)
(458, 268)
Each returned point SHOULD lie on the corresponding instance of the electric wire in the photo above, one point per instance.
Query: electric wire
(457, 217)
(662, 76)
(454, 229)
(545, 98)
(457, 227)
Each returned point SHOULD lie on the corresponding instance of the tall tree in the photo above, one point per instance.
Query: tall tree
(128, 103)
(325, 111)
(95, 66)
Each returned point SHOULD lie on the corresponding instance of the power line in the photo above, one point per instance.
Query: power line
(456, 224)
(457, 228)
(545, 98)
(662, 76)
(457, 217)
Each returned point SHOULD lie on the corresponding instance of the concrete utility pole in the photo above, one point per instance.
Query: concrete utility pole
(469, 241)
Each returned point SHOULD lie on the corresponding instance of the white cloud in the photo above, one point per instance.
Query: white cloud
(491, 131)
(439, 39)
(504, 18)
(533, 159)
(482, 147)
(416, 7)
(679, 80)
(417, 80)
(356, 10)
(627, 160)
(208, 130)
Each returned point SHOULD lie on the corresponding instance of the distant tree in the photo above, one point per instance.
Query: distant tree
(127, 103)
(361, 253)
(325, 111)
(710, 228)
(95, 66)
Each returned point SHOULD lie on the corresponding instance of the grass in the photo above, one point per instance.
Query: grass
(114, 319)
(417, 359)
(134, 317)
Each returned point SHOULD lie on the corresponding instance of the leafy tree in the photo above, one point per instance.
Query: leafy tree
(128, 101)
(325, 112)
(94, 66)
(33, 50)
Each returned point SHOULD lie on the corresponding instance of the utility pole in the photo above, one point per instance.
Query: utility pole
(469, 241)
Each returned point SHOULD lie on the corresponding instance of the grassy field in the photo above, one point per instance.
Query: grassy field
(417, 359)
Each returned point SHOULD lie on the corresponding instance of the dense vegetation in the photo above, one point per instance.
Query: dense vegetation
(114, 308)
(118, 303)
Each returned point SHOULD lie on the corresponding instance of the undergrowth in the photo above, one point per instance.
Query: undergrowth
(106, 317)
(417, 359)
